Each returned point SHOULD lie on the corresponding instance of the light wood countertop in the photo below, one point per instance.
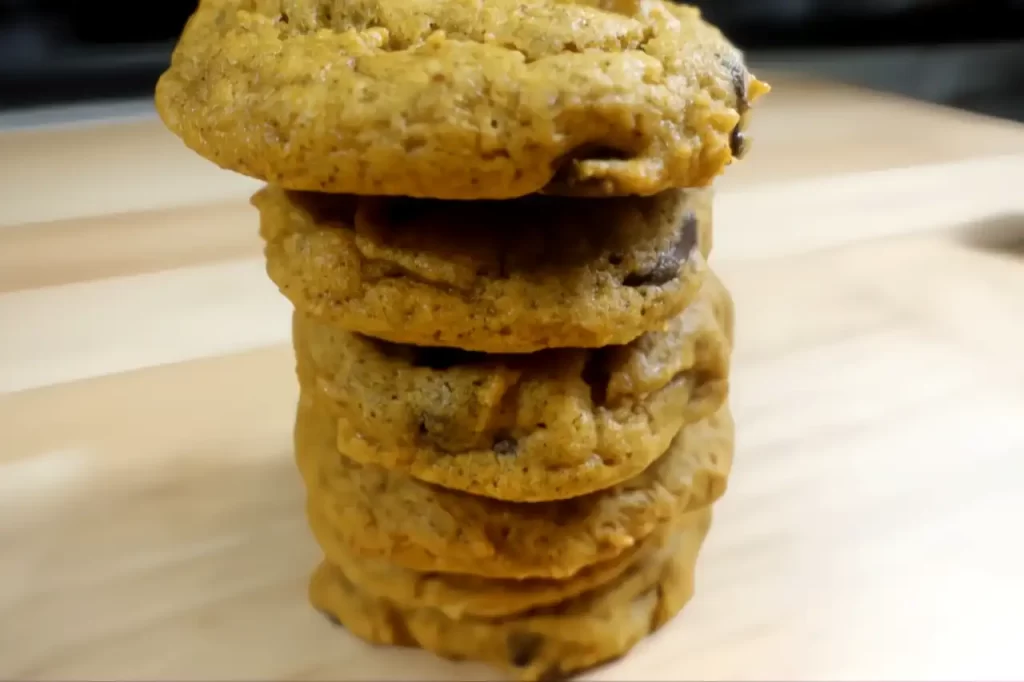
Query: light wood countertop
(151, 521)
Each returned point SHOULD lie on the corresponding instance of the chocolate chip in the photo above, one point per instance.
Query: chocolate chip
(523, 648)
(505, 447)
(687, 241)
(666, 268)
(738, 143)
(739, 86)
(331, 618)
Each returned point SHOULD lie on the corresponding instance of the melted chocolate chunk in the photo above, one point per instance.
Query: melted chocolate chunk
(666, 268)
(737, 140)
(739, 86)
(737, 143)
(523, 648)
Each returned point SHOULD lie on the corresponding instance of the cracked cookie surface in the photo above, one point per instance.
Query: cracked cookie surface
(380, 514)
(459, 99)
(543, 644)
(513, 276)
(525, 428)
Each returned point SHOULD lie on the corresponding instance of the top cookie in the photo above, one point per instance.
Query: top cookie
(458, 99)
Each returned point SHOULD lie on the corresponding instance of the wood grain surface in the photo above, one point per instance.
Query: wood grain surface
(151, 520)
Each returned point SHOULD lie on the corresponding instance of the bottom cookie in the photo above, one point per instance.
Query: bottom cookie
(545, 643)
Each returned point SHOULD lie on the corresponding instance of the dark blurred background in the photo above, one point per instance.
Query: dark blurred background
(966, 53)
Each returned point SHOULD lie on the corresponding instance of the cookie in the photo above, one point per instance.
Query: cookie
(459, 100)
(497, 277)
(380, 514)
(461, 595)
(524, 428)
(543, 644)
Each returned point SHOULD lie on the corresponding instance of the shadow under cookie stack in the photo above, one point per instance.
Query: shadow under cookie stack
(514, 360)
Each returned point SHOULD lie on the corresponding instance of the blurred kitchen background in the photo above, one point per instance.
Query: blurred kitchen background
(64, 59)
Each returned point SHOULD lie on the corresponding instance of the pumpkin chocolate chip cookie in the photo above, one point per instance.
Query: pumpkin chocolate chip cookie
(459, 595)
(524, 428)
(543, 644)
(381, 514)
(457, 99)
(497, 277)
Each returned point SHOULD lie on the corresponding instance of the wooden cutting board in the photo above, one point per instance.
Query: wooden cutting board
(151, 521)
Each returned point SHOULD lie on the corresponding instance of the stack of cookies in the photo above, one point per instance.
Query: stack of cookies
(493, 220)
